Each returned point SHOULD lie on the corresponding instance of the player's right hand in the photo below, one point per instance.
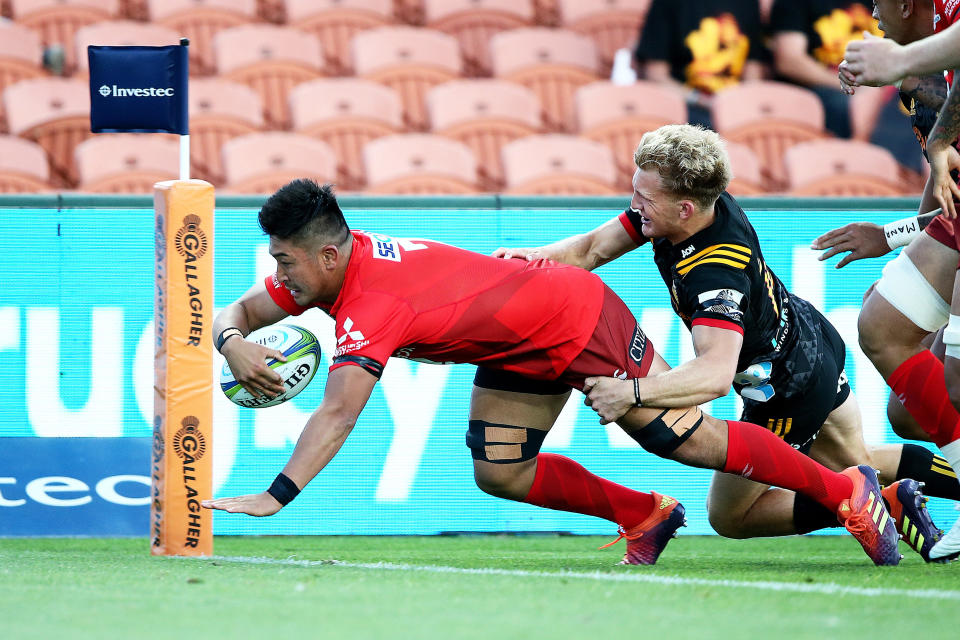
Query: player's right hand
(848, 83)
(248, 362)
(519, 254)
(944, 158)
(861, 239)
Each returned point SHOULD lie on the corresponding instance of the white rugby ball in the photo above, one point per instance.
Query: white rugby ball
(302, 351)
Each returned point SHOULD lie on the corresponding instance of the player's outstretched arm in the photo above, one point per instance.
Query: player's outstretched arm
(247, 360)
(588, 251)
(347, 391)
(869, 240)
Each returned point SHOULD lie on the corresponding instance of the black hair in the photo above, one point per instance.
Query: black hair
(303, 210)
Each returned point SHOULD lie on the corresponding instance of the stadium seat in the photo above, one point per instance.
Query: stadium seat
(842, 168)
(619, 115)
(200, 20)
(56, 21)
(558, 164)
(410, 61)
(346, 113)
(335, 23)
(271, 60)
(553, 63)
(769, 117)
(116, 33)
(126, 162)
(264, 162)
(54, 113)
(473, 23)
(747, 179)
(484, 114)
(612, 24)
(419, 163)
(220, 110)
(20, 56)
(23, 166)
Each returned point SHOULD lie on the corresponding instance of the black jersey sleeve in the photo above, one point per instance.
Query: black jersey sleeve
(716, 294)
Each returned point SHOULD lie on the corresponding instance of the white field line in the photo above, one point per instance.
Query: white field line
(828, 588)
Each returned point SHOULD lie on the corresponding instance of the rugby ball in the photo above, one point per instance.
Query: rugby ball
(302, 351)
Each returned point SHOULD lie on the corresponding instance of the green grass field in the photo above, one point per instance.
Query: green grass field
(489, 587)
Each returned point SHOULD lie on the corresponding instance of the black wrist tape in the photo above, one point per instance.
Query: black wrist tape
(283, 489)
(224, 335)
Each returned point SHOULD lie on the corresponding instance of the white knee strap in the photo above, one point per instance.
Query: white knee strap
(951, 337)
(904, 287)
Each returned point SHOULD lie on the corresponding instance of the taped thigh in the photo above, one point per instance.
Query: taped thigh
(503, 443)
(904, 287)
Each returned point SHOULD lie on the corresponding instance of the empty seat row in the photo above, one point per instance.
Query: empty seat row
(610, 25)
(552, 164)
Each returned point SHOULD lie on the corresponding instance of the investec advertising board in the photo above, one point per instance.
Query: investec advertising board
(76, 360)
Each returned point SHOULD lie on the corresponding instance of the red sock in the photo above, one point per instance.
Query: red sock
(921, 387)
(756, 453)
(565, 485)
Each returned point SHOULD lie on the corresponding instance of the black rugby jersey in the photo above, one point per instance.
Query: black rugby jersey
(718, 277)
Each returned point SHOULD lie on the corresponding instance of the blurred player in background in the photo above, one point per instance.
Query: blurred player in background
(916, 295)
(781, 355)
(537, 329)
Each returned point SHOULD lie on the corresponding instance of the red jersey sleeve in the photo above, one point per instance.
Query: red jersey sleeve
(368, 333)
(632, 224)
(281, 295)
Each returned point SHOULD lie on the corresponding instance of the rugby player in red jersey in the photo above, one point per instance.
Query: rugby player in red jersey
(536, 329)
(917, 293)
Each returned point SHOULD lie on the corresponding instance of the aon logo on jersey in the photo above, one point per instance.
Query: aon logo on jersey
(387, 248)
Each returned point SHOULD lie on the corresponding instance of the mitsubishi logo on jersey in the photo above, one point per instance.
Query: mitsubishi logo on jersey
(356, 339)
(349, 335)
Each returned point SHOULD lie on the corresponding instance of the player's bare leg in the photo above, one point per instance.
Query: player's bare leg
(506, 429)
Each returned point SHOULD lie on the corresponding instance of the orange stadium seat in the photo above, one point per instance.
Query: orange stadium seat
(126, 162)
(346, 113)
(20, 56)
(271, 60)
(419, 163)
(54, 113)
(117, 33)
(264, 162)
(612, 24)
(484, 114)
(23, 166)
(58, 20)
(619, 115)
(769, 117)
(473, 23)
(558, 164)
(220, 110)
(551, 62)
(747, 179)
(842, 168)
(410, 61)
(335, 23)
(200, 20)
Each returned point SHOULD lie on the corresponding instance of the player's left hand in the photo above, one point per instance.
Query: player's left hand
(944, 159)
(861, 239)
(611, 398)
(848, 83)
(873, 61)
(520, 254)
(255, 504)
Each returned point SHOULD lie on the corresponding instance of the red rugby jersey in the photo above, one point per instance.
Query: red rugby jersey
(433, 302)
(945, 13)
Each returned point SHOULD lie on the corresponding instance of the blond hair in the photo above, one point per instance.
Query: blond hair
(692, 161)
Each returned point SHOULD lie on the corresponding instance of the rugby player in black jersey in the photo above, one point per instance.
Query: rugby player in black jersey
(780, 354)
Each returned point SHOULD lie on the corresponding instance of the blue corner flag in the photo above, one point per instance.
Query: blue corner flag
(138, 89)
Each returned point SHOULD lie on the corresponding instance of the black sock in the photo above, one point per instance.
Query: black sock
(809, 515)
(922, 465)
